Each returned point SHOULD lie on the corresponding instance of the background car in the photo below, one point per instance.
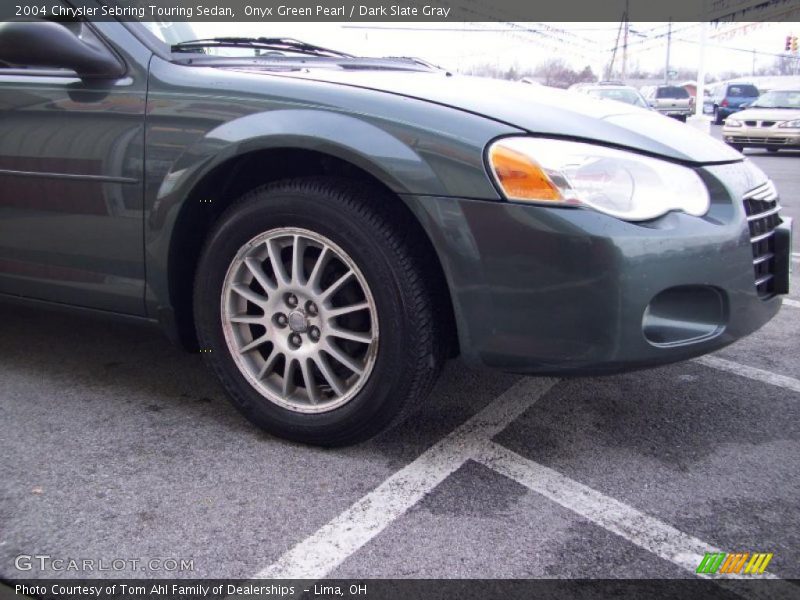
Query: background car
(732, 97)
(671, 100)
(618, 92)
(771, 122)
(708, 102)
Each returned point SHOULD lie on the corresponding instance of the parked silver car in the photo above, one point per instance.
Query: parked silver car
(671, 100)
(771, 122)
(618, 92)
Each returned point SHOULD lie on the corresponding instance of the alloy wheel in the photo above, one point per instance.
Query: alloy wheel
(299, 320)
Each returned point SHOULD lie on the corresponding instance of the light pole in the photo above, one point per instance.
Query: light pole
(700, 88)
(669, 44)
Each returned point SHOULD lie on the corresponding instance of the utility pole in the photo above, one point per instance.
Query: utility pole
(754, 63)
(614, 54)
(625, 44)
(669, 44)
(700, 87)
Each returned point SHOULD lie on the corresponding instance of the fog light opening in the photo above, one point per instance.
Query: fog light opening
(685, 315)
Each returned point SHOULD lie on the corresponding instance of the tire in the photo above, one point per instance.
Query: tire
(737, 147)
(368, 235)
(682, 118)
(717, 117)
(773, 150)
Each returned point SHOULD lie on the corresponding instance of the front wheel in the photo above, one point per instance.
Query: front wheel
(772, 149)
(315, 310)
(737, 147)
(717, 117)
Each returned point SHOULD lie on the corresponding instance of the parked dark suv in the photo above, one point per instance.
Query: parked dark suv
(327, 229)
(732, 97)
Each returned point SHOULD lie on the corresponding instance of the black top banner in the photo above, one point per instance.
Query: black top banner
(403, 10)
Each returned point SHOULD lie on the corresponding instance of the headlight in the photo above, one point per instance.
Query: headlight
(790, 124)
(732, 123)
(621, 184)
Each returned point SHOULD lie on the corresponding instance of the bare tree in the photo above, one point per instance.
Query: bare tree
(556, 73)
(786, 64)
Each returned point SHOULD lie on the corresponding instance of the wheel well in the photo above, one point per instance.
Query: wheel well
(233, 178)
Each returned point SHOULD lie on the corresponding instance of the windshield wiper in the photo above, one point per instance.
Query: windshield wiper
(259, 43)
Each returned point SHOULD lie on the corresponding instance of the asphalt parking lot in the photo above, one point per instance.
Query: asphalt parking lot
(116, 445)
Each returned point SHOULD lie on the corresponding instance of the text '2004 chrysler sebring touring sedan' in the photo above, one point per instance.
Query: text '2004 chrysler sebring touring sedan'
(328, 228)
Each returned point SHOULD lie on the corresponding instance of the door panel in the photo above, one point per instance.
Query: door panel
(71, 156)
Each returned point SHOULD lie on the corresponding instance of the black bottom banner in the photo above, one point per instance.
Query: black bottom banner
(394, 589)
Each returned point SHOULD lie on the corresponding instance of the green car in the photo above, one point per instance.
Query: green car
(327, 229)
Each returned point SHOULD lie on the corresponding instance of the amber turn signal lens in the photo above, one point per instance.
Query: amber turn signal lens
(520, 177)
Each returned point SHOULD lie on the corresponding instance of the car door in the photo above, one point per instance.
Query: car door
(71, 189)
(721, 92)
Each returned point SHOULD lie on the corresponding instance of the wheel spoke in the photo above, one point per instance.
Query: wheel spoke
(288, 377)
(248, 294)
(328, 374)
(247, 319)
(363, 337)
(254, 266)
(254, 344)
(308, 380)
(298, 252)
(319, 266)
(344, 310)
(344, 359)
(336, 286)
(277, 264)
(269, 364)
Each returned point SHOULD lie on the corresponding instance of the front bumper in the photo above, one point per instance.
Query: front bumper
(676, 112)
(572, 291)
(762, 137)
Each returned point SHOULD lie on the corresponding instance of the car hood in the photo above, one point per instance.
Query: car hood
(768, 114)
(541, 110)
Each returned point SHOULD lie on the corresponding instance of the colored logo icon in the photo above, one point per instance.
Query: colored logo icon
(734, 563)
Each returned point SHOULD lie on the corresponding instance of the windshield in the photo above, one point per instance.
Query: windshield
(620, 95)
(172, 33)
(672, 91)
(742, 91)
(782, 99)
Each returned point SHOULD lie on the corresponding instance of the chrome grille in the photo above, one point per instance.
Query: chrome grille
(742, 139)
(759, 123)
(762, 210)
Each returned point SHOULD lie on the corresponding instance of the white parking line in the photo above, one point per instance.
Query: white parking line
(790, 302)
(318, 555)
(627, 522)
(790, 383)
(645, 531)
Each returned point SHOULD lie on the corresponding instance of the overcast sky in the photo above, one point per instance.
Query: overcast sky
(523, 45)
